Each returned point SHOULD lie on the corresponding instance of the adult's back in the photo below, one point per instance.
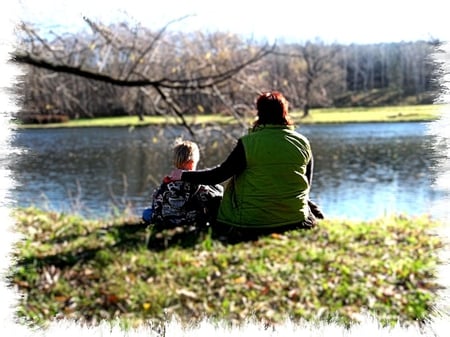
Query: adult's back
(273, 190)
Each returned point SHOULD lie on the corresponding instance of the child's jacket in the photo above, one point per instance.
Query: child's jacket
(179, 203)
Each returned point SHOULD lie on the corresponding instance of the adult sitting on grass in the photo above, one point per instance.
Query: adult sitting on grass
(189, 207)
(271, 172)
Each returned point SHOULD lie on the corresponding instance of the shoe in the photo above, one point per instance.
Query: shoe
(147, 215)
(315, 210)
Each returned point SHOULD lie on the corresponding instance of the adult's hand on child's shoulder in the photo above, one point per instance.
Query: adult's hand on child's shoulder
(176, 174)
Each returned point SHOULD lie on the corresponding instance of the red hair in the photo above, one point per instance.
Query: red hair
(272, 108)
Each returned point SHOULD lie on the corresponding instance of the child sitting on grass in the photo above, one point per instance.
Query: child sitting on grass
(182, 204)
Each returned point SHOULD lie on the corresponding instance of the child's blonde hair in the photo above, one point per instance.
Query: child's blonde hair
(185, 151)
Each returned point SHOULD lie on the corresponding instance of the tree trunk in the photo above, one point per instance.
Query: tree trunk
(305, 110)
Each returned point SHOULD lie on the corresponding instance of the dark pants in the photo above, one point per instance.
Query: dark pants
(232, 234)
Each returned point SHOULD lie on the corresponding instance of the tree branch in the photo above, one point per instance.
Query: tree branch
(200, 82)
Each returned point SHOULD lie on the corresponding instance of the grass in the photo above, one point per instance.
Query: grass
(409, 113)
(70, 268)
(330, 115)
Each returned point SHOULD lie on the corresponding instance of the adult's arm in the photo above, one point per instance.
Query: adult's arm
(233, 165)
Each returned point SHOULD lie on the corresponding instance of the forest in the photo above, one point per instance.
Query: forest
(119, 70)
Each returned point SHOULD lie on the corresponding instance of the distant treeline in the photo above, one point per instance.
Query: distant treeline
(118, 70)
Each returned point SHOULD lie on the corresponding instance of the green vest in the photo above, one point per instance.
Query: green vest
(273, 190)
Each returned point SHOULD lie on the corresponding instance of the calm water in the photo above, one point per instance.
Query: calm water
(362, 171)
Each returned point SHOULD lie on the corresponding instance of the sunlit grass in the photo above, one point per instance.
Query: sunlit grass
(374, 114)
(331, 115)
(84, 270)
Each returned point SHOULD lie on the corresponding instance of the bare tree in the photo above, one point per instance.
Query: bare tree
(164, 66)
(123, 70)
(312, 70)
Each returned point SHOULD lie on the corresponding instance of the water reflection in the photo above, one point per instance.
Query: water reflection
(362, 171)
(373, 169)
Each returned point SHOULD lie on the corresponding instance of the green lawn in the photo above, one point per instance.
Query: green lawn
(85, 270)
(376, 114)
(331, 115)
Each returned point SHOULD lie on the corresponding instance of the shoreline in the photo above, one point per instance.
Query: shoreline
(397, 114)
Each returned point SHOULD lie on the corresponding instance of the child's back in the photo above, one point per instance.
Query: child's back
(178, 203)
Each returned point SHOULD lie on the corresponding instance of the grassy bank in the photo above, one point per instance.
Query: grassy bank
(331, 115)
(83, 270)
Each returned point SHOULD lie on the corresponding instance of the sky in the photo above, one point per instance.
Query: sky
(344, 21)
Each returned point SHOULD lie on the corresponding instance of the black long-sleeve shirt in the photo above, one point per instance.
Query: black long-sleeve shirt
(235, 163)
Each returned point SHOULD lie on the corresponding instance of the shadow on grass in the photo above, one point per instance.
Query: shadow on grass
(180, 237)
(124, 237)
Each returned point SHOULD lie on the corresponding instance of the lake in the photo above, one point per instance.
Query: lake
(362, 171)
